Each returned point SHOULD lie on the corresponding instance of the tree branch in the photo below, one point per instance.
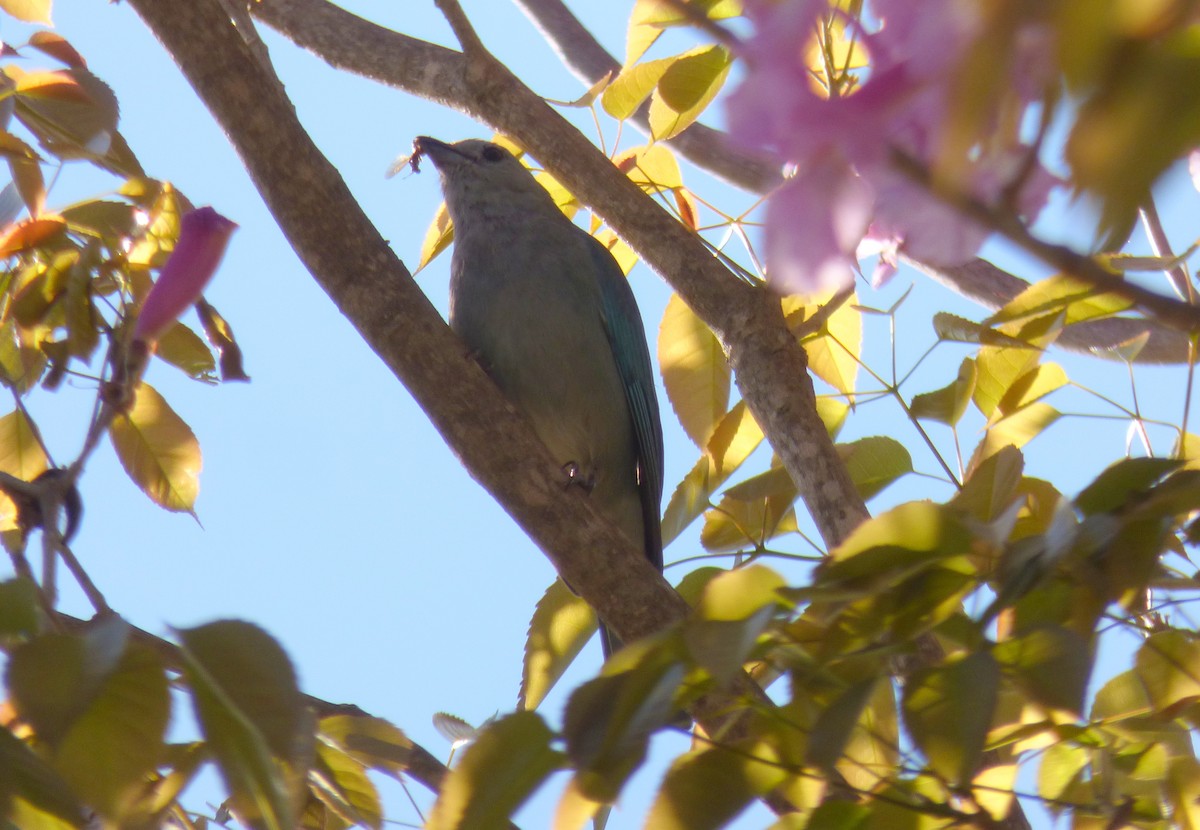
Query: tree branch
(703, 146)
(770, 367)
(710, 149)
(358, 270)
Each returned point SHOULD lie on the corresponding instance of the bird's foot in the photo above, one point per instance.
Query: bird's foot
(577, 477)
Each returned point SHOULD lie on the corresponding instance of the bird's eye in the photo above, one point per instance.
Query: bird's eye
(492, 153)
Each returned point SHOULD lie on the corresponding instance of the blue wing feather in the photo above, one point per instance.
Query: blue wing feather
(627, 337)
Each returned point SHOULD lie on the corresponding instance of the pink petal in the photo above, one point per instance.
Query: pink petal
(203, 236)
(814, 225)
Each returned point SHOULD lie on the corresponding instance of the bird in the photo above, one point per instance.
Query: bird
(549, 315)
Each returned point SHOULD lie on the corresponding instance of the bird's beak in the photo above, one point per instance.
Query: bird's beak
(438, 152)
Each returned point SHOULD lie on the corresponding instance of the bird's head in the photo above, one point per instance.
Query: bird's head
(478, 174)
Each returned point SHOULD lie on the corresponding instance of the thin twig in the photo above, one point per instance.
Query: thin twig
(1174, 313)
(464, 32)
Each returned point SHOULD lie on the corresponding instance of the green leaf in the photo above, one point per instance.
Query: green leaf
(372, 741)
(609, 720)
(1168, 664)
(1032, 386)
(947, 404)
(1061, 766)
(633, 86)
(101, 703)
(1114, 487)
(118, 741)
(653, 167)
(694, 370)
(997, 371)
(874, 463)
(751, 512)
(22, 456)
(341, 783)
(702, 790)
(19, 609)
(186, 350)
(251, 713)
(1183, 792)
(914, 532)
(102, 219)
(837, 722)
(1123, 696)
(735, 437)
(561, 626)
(991, 486)
(961, 330)
(25, 776)
(948, 710)
(1079, 299)
(496, 775)
(721, 647)
(158, 450)
(1015, 430)
(1052, 664)
(833, 350)
(740, 593)
(650, 17)
(687, 87)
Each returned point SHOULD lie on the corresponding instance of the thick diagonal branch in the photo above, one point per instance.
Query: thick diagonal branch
(360, 273)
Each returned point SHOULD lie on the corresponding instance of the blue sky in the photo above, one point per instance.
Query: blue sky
(331, 513)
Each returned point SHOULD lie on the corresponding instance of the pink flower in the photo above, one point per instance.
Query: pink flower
(814, 224)
(203, 236)
(900, 105)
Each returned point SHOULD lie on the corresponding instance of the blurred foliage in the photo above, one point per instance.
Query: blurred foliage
(991, 603)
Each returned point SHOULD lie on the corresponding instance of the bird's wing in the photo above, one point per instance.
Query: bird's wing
(627, 337)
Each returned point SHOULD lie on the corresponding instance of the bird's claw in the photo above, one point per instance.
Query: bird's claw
(576, 477)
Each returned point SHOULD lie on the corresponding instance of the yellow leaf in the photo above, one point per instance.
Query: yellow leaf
(734, 438)
(654, 167)
(694, 369)
(833, 348)
(31, 11)
(686, 89)
(158, 451)
(20, 455)
(437, 238)
(561, 626)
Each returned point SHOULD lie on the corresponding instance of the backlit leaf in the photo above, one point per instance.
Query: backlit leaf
(731, 443)
(495, 775)
(874, 463)
(608, 722)
(186, 350)
(694, 369)
(1079, 299)
(948, 710)
(31, 11)
(251, 714)
(561, 626)
(1168, 664)
(947, 404)
(158, 450)
(633, 86)
(21, 455)
(372, 741)
(704, 789)
(687, 87)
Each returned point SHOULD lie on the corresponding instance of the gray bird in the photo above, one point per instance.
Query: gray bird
(548, 313)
